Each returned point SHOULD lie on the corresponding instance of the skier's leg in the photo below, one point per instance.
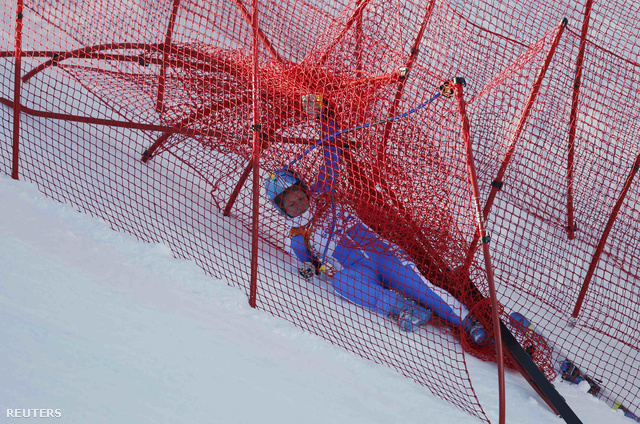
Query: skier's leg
(404, 277)
(360, 284)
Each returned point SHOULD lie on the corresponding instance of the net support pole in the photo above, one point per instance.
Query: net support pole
(603, 239)
(16, 91)
(255, 159)
(577, 82)
(151, 151)
(93, 52)
(166, 46)
(413, 54)
(381, 155)
(259, 34)
(497, 183)
(358, 47)
(238, 187)
(458, 84)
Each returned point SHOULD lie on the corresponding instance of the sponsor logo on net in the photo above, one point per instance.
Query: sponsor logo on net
(34, 413)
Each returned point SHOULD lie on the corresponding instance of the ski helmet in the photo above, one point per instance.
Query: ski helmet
(278, 183)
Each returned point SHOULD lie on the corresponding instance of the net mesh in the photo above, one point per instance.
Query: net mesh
(150, 114)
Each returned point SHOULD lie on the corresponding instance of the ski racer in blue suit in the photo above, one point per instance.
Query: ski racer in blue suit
(367, 270)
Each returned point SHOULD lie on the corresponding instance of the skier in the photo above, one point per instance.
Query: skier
(367, 270)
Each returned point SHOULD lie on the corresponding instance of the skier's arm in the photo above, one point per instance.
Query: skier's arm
(309, 265)
(296, 247)
(331, 155)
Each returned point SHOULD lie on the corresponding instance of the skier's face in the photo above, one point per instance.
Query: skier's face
(295, 202)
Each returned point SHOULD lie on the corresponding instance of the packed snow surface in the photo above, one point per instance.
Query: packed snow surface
(98, 327)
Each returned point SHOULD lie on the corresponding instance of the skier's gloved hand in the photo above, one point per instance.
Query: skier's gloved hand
(307, 271)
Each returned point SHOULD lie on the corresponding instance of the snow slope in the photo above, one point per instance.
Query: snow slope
(108, 329)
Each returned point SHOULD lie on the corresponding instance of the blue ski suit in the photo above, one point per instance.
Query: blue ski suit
(369, 271)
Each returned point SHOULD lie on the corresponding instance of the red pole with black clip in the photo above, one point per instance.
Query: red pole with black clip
(603, 239)
(458, 84)
(16, 90)
(255, 126)
(166, 47)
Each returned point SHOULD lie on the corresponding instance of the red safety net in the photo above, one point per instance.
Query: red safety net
(156, 116)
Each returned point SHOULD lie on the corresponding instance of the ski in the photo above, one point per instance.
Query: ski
(569, 371)
(535, 377)
(524, 364)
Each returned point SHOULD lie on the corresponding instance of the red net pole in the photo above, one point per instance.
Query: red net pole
(163, 68)
(258, 32)
(93, 52)
(236, 190)
(604, 237)
(571, 228)
(400, 90)
(16, 91)
(359, 34)
(97, 121)
(497, 183)
(482, 231)
(253, 289)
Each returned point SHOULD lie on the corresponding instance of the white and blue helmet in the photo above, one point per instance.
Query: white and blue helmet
(279, 182)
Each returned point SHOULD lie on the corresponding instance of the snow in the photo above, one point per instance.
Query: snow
(108, 329)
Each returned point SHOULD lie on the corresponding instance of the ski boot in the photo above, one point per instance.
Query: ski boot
(409, 314)
(571, 373)
(475, 330)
